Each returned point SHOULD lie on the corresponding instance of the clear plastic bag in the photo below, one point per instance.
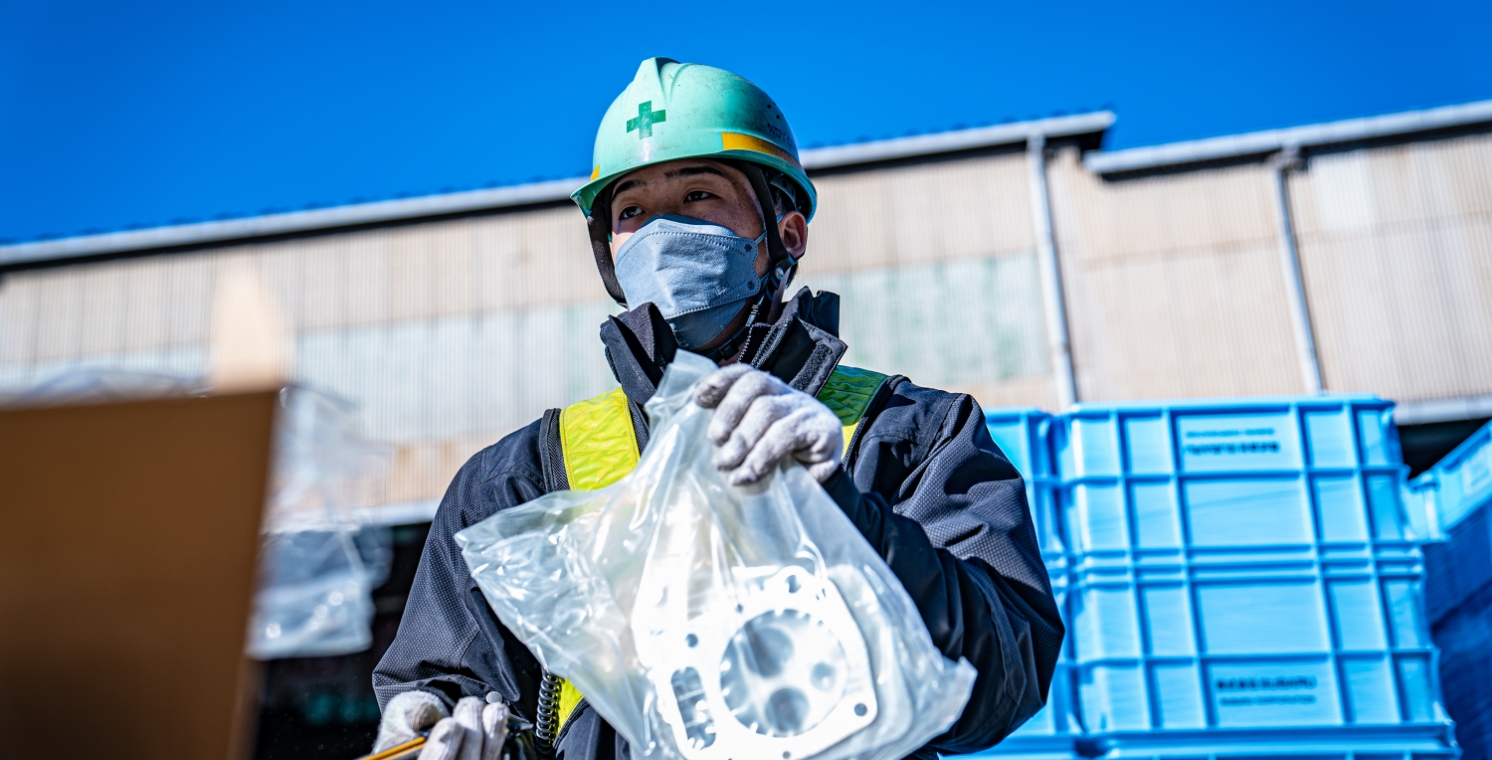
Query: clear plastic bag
(317, 566)
(713, 622)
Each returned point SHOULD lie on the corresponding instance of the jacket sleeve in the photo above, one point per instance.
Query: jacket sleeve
(936, 497)
(449, 641)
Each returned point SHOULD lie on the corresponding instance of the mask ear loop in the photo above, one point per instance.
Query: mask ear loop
(598, 224)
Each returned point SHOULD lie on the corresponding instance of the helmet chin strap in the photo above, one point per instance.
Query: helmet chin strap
(780, 263)
(598, 224)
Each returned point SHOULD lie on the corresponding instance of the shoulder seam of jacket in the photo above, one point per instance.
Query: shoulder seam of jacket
(515, 472)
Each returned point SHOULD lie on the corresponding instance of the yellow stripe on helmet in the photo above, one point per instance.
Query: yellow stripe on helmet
(738, 141)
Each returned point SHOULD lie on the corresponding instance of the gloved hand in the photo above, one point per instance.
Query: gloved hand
(759, 420)
(406, 715)
(476, 731)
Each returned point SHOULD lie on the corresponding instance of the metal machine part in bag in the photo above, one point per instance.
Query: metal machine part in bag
(792, 680)
(706, 621)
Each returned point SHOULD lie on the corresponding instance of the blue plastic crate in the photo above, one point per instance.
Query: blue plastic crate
(1465, 640)
(1023, 434)
(1221, 647)
(1054, 732)
(1461, 482)
(1459, 567)
(1280, 477)
(1245, 578)
(1457, 492)
(1264, 434)
(1302, 745)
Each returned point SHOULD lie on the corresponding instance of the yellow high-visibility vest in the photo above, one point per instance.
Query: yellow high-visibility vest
(600, 447)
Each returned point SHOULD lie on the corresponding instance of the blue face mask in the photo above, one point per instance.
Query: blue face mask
(698, 274)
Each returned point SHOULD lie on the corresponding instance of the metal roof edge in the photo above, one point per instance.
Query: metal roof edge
(204, 233)
(1269, 141)
(1443, 410)
(279, 224)
(948, 142)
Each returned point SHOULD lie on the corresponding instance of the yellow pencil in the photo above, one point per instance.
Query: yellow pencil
(407, 751)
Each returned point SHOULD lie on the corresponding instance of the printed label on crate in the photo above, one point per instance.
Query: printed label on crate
(1476, 472)
(1274, 694)
(1231, 443)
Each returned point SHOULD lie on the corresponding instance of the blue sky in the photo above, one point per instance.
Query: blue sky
(147, 113)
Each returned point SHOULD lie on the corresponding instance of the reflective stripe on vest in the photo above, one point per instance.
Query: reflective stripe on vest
(600, 448)
(599, 433)
(848, 394)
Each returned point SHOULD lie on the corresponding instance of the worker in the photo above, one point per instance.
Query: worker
(697, 210)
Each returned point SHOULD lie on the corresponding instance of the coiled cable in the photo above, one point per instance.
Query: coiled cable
(547, 729)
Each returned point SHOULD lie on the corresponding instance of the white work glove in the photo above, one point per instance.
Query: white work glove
(406, 715)
(759, 420)
(476, 731)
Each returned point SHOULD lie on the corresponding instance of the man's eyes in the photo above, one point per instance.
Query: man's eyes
(694, 195)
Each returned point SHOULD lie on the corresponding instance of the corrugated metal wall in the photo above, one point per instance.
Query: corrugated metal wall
(448, 334)
(1396, 254)
(1174, 287)
(936, 265)
(452, 333)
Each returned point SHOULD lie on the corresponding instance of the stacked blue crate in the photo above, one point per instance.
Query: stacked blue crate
(1463, 479)
(1457, 490)
(1022, 433)
(1458, 586)
(1465, 640)
(1245, 581)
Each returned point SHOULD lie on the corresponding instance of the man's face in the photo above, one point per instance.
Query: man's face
(700, 189)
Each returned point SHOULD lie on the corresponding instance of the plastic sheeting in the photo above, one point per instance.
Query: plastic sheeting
(713, 622)
(317, 566)
(81, 385)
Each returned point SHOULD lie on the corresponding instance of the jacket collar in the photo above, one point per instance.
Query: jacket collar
(801, 346)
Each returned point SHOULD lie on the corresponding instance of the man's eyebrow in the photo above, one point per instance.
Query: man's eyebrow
(627, 185)
(695, 171)
(683, 171)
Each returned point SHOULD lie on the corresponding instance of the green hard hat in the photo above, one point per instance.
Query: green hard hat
(675, 110)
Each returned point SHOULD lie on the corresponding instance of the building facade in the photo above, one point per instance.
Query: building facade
(1018, 263)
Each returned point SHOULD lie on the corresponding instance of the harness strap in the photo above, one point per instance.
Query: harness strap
(598, 442)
